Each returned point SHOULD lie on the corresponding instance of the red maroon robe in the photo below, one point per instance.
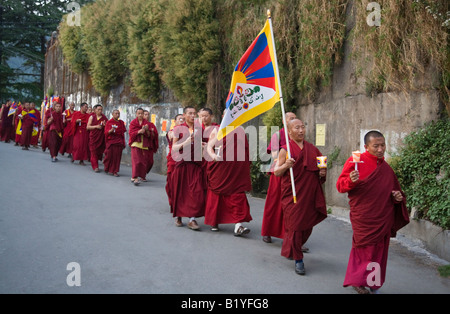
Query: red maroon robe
(272, 222)
(205, 138)
(80, 136)
(97, 140)
(170, 166)
(37, 124)
(16, 123)
(115, 143)
(139, 157)
(45, 129)
(29, 118)
(188, 188)
(154, 144)
(375, 217)
(55, 135)
(228, 180)
(310, 209)
(66, 146)
(7, 128)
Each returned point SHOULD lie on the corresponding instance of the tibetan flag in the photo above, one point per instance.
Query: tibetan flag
(13, 108)
(254, 85)
(34, 118)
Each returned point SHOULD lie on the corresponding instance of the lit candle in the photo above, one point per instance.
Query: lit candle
(322, 162)
(356, 158)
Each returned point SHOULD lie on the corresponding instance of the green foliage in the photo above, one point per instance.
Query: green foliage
(321, 33)
(423, 170)
(413, 35)
(104, 32)
(143, 30)
(444, 270)
(260, 180)
(273, 117)
(70, 39)
(188, 48)
(25, 27)
(332, 157)
(192, 46)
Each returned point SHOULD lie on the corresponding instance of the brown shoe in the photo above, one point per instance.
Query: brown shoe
(178, 222)
(267, 239)
(193, 225)
(241, 231)
(361, 290)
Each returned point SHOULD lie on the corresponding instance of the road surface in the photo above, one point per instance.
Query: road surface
(122, 239)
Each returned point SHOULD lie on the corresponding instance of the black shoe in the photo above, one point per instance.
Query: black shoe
(300, 268)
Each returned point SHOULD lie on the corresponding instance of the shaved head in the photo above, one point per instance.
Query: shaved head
(290, 116)
(294, 122)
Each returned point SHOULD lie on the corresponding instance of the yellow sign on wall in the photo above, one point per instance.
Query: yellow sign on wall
(320, 134)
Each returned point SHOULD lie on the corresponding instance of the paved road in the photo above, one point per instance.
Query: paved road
(124, 240)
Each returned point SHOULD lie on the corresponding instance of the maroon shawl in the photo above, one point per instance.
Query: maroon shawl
(57, 123)
(373, 212)
(116, 137)
(97, 136)
(310, 208)
(149, 141)
(231, 177)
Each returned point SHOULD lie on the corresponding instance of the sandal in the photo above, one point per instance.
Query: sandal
(215, 228)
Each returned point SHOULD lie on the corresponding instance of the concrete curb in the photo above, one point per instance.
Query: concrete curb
(418, 233)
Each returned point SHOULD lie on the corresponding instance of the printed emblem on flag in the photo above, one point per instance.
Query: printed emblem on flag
(254, 88)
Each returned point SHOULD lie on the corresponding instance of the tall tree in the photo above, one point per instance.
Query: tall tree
(25, 27)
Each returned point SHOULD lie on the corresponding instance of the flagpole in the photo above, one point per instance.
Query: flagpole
(294, 194)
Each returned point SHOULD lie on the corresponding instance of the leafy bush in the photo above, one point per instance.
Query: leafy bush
(105, 42)
(143, 30)
(413, 35)
(70, 39)
(188, 48)
(422, 167)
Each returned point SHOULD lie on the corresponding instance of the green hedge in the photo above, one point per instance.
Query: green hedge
(423, 169)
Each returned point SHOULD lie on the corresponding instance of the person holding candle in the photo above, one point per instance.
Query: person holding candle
(55, 128)
(140, 140)
(310, 208)
(272, 222)
(154, 143)
(179, 119)
(115, 143)
(66, 146)
(80, 148)
(188, 189)
(45, 128)
(377, 212)
(96, 127)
